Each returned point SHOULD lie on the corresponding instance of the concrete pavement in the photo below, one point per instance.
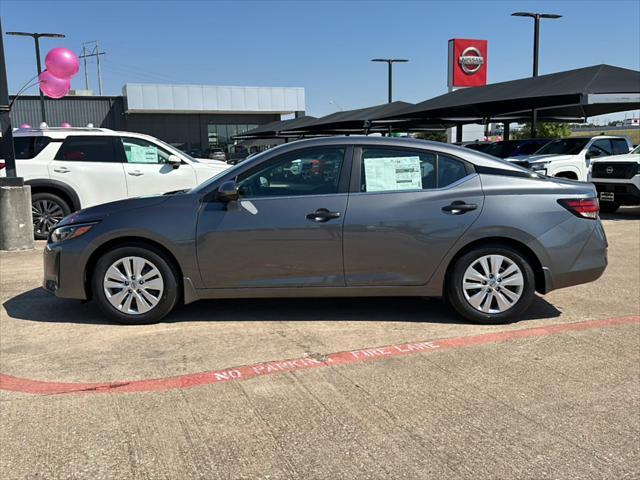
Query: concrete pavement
(559, 405)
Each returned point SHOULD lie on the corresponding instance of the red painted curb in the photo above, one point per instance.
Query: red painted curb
(23, 385)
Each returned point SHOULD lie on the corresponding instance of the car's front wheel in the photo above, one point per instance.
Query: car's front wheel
(135, 285)
(491, 284)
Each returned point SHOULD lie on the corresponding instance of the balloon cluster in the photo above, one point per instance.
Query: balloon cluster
(62, 64)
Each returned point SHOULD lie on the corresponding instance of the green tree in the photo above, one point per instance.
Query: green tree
(545, 130)
(434, 136)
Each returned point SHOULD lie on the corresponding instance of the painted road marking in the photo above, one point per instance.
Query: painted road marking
(23, 385)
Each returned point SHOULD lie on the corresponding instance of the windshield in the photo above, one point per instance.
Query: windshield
(636, 150)
(564, 146)
(177, 151)
(502, 149)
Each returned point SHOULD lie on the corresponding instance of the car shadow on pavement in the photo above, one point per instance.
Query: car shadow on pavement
(38, 305)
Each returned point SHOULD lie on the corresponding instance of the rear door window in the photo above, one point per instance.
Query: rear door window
(387, 170)
(88, 149)
(29, 147)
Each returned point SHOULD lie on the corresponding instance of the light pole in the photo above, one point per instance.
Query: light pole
(36, 37)
(390, 62)
(536, 48)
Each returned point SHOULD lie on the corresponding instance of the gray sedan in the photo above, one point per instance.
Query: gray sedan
(336, 217)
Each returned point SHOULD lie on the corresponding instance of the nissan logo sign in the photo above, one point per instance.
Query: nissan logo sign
(609, 170)
(471, 60)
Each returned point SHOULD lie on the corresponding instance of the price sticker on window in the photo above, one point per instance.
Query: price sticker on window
(392, 173)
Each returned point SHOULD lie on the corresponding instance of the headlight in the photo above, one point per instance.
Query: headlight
(539, 166)
(68, 232)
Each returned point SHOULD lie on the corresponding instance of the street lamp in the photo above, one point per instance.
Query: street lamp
(390, 62)
(536, 47)
(36, 37)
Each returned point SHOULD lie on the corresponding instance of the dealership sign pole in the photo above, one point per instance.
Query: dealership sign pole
(467, 67)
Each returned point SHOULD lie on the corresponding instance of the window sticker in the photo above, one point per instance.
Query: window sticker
(392, 173)
(138, 154)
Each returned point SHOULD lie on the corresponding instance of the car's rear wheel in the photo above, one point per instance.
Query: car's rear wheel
(47, 210)
(135, 285)
(491, 284)
(609, 207)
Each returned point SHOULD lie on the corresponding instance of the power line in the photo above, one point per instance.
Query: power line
(94, 52)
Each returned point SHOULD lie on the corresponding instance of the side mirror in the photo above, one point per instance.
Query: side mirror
(174, 161)
(228, 192)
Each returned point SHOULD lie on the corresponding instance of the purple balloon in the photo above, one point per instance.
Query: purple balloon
(53, 86)
(62, 63)
(65, 125)
(25, 125)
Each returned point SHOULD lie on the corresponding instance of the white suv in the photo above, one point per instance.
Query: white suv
(617, 180)
(571, 157)
(73, 168)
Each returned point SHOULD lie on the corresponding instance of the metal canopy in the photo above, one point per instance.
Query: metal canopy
(275, 129)
(574, 94)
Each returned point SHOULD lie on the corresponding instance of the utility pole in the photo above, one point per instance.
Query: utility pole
(390, 62)
(36, 37)
(536, 48)
(95, 52)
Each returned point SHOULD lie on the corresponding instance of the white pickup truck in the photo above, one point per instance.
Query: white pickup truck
(571, 157)
(617, 180)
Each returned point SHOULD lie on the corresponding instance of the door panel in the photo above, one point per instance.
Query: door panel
(148, 171)
(270, 242)
(400, 224)
(89, 165)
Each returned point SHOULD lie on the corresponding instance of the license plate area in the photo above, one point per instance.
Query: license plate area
(607, 196)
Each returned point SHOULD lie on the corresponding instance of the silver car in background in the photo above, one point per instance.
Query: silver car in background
(336, 217)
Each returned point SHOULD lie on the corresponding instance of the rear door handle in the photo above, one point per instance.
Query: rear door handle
(322, 215)
(61, 170)
(136, 173)
(459, 207)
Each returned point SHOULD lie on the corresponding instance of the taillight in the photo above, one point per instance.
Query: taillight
(582, 207)
(2, 165)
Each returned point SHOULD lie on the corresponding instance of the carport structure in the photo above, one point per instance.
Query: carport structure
(572, 95)
(277, 129)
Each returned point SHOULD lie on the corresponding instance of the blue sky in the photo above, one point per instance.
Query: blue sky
(323, 46)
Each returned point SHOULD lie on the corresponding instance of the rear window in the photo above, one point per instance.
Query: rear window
(88, 149)
(29, 147)
(620, 146)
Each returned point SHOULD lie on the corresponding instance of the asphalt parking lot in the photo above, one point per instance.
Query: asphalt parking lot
(317, 388)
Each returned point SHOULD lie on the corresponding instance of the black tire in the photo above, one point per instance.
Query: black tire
(456, 298)
(609, 207)
(47, 209)
(168, 299)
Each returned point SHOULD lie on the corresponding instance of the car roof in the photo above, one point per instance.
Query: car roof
(60, 132)
(473, 156)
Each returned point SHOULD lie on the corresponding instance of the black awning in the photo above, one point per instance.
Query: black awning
(272, 129)
(579, 93)
(351, 121)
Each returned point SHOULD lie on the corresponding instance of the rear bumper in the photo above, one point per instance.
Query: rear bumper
(588, 265)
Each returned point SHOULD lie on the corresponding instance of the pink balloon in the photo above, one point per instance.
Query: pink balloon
(62, 63)
(25, 125)
(53, 86)
(65, 125)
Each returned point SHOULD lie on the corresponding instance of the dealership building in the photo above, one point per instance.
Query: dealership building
(191, 117)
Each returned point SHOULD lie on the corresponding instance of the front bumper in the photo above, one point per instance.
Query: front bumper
(63, 272)
(625, 192)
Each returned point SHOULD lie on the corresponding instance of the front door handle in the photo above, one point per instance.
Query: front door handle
(136, 173)
(322, 215)
(459, 207)
(61, 170)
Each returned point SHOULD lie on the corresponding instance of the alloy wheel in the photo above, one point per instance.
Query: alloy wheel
(46, 214)
(133, 285)
(493, 284)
